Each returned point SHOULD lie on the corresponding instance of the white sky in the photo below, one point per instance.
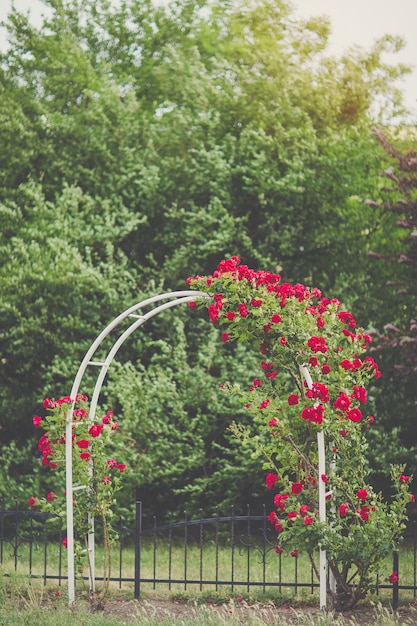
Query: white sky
(354, 22)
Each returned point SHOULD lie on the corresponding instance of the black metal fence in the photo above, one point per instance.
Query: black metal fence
(236, 552)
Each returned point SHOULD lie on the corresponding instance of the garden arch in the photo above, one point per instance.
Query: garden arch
(171, 299)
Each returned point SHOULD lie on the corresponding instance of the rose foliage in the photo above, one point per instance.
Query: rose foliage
(96, 475)
(293, 327)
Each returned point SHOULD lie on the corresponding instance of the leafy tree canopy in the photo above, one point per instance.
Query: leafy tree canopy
(143, 143)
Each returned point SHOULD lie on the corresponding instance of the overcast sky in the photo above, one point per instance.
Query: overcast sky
(353, 22)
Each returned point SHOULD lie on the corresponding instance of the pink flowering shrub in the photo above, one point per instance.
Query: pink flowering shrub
(96, 475)
(293, 326)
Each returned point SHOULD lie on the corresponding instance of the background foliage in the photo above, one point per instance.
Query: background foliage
(141, 144)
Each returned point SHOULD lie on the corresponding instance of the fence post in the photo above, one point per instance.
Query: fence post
(138, 538)
(395, 568)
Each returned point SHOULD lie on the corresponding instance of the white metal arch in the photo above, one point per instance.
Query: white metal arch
(173, 299)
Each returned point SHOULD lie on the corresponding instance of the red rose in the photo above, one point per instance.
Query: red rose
(83, 444)
(37, 421)
(393, 578)
(213, 313)
(308, 521)
(293, 399)
(355, 415)
(272, 517)
(243, 310)
(346, 365)
(270, 480)
(95, 430)
(362, 494)
(296, 488)
(317, 344)
(347, 318)
(359, 393)
(343, 509)
(342, 402)
(280, 501)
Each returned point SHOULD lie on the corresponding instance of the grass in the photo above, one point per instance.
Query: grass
(26, 602)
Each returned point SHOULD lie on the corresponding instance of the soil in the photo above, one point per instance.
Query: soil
(164, 610)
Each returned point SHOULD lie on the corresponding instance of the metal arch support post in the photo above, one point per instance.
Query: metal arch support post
(177, 297)
(322, 500)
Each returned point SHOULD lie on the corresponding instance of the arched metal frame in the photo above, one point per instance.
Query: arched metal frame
(174, 298)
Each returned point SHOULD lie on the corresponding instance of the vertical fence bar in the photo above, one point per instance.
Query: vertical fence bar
(280, 574)
(217, 548)
(296, 575)
(45, 554)
(31, 545)
(120, 551)
(1, 532)
(414, 567)
(16, 537)
(264, 548)
(201, 535)
(232, 541)
(60, 553)
(170, 551)
(154, 551)
(138, 545)
(396, 568)
(312, 579)
(185, 548)
(248, 548)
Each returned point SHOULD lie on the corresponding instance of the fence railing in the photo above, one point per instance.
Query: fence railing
(236, 551)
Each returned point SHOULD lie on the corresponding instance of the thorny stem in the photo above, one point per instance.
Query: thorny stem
(302, 456)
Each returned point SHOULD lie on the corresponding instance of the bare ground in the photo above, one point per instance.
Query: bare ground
(165, 610)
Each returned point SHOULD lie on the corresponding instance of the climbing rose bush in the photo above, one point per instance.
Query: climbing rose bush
(293, 327)
(97, 476)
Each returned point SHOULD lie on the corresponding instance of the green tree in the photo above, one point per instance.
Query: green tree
(141, 144)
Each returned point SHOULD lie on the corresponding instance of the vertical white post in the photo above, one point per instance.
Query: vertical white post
(322, 514)
(70, 514)
(322, 500)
